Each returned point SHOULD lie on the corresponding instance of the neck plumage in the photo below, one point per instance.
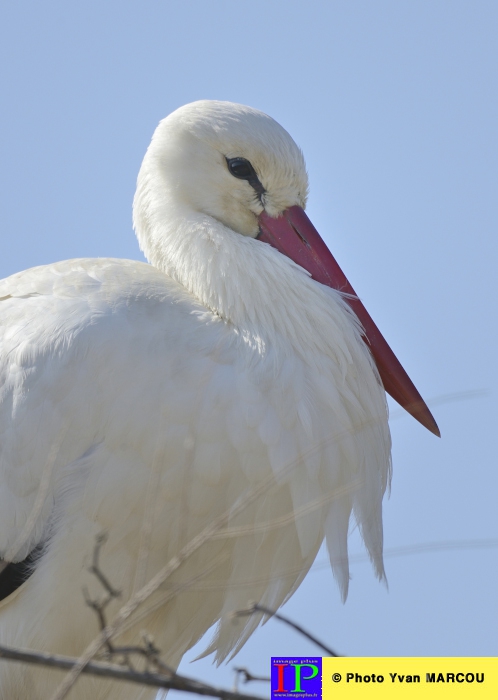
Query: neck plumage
(266, 296)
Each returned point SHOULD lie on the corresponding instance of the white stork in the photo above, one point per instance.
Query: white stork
(144, 400)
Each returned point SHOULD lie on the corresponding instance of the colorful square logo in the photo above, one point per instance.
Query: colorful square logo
(296, 677)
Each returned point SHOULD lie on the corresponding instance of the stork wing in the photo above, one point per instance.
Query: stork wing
(126, 407)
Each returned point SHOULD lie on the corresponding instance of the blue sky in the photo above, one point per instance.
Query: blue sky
(395, 105)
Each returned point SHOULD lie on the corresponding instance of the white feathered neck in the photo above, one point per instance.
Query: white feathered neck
(268, 298)
(197, 223)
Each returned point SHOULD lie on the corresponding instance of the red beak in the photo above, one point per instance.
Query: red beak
(294, 235)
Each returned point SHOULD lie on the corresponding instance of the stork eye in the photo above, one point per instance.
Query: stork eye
(241, 168)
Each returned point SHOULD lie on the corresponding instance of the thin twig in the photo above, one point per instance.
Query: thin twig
(99, 606)
(107, 670)
(442, 399)
(146, 591)
(97, 571)
(247, 676)
(267, 611)
(411, 549)
(148, 651)
(140, 596)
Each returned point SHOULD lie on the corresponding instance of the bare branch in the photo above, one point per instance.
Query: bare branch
(97, 571)
(411, 549)
(99, 606)
(454, 397)
(146, 591)
(107, 670)
(247, 676)
(140, 596)
(255, 608)
(149, 652)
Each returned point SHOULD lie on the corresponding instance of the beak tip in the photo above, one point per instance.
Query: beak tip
(421, 412)
(435, 430)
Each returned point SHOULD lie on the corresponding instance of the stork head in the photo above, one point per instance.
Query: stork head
(227, 161)
(238, 166)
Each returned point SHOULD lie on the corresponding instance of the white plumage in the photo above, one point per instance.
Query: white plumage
(144, 400)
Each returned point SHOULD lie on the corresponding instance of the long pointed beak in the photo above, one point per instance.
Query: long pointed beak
(294, 235)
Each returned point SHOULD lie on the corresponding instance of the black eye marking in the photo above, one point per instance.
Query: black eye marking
(242, 169)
